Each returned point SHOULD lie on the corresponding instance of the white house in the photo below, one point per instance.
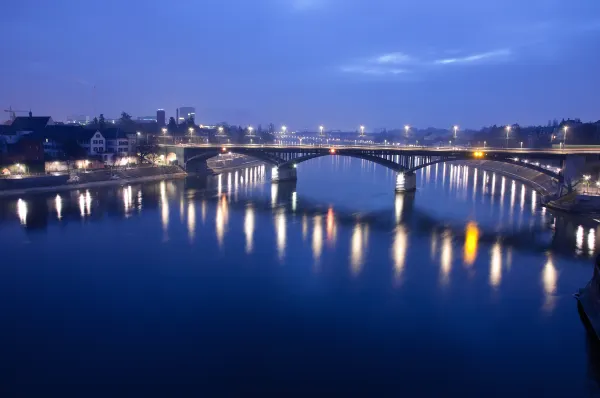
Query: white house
(93, 142)
(108, 143)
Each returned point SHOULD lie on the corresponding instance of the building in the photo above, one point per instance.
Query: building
(25, 125)
(81, 120)
(92, 141)
(117, 142)
(161, 118)
(146, 119)
(185, 113)
(29, 124)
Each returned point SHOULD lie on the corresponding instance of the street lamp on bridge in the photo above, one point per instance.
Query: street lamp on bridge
(406, 128)
(455, 131)
(507, 132)
(565, 135)
(362, 131)
(321, 128)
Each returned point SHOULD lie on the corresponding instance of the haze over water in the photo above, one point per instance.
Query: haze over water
(232, 285)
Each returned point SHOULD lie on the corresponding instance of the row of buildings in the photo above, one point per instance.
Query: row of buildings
(36, 140)
(182, 115)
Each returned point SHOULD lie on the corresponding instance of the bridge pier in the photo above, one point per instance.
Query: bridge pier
(283, 174)
(406, 182)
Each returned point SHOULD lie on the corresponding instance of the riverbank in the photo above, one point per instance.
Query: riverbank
(45, 184)
(573, 203)
(576, 203)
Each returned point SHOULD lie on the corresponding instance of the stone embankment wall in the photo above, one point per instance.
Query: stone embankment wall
(98, 177)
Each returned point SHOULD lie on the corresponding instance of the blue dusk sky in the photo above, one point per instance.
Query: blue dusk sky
(341, 63)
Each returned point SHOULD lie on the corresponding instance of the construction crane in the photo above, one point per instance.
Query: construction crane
(13, 113)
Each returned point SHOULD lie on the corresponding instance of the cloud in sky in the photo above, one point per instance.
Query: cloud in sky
(373, 70)
(490, 55)
(394, 59)
(396, 63)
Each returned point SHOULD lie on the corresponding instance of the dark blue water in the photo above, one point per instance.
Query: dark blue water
(231, 286)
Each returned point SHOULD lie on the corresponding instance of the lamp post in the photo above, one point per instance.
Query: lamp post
(521, 144)
(484, 142)
(321, 130)
(565, 136)
(362, 131)
(191, 130)
(455, 130)
(164, 131)
(283, 129)
(406, 129)
(586, 178)
(507, 133)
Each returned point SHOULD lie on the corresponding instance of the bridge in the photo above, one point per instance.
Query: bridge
(567, 163)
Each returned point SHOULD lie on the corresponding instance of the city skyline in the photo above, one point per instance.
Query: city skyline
(302, 62)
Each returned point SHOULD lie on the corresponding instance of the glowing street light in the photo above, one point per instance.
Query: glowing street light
(521, 144)
(565, 136)
(321, 129)
(455, 130)
(220, 129)
(406, 128)
(191, 130)
(508, 128)
(586, 178)
(484, 142)
(362, 131)
(283, 128)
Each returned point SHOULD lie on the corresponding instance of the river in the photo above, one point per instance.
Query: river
(231, 285)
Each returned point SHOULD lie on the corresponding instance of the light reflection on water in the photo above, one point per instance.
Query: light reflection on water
(58, 202)
(471, 243)
(317, 238)
(22, 211)
(357, 250)
(460, 180)
(446, 258)
(249, 228)
(280, 226)
(191, 220)
(399, 251)
(506, 247)
(496, 265)
(549, 279)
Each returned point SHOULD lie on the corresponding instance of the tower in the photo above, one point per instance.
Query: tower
(161, 117)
